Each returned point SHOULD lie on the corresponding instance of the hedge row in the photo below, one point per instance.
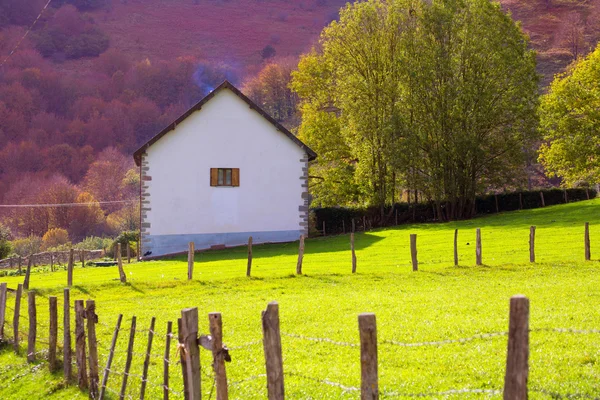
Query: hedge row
(339, 219)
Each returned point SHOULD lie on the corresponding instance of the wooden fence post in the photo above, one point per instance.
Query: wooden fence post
(147, 360)
(190, 261)
(122, 275)
(542, 197)
(128, 359)
(586, 240)
(67, 368)
(182, 359)
(20, 262)
(27, 273)
(272, 348)
(189, 322)
(70, 269)
(353, 253)
(478, 247)
(137, 250)
(517, 357)
(166, 361)
(31, 335)
(52, 261)
(532, 244)
(17, 316)
(413, 251)
(249, 267)
(3, 296)
(216, 331)
(456, 247)
(80, 357)
(300, 256)
(396, 217)
(82, 258)
(587, 193)
(92, 319)
(364, 223)
(53, 334)
(369, 386)
(111, 354)
(128, 253)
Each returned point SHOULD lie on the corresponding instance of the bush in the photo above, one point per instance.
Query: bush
(55, 237)
(89, 44)
(267, 52)
(5, 246)
(94, 243)
(29, 245)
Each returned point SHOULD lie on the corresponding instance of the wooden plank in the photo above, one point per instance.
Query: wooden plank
(190, 273)
(129, 358)
(216, 331)
(166, 361)
(272, 349)
(478, 255)
(249, 267)
(70, 269)
(586, 240)
(3, 297)
(111, 354)
(122, 275)
(67, 356)
(189, 324)
(353, 253)
(542, 198)
(27, 272)
(532, 244)
(300, 256)
(517, 357)
(53, 334)
(369, 386)
(456, 247)
(147, 358)
(92, 319)
(413, 251)
(80, 353)
(235, 177)
(17, 316)
(182, 359)
(31, 335)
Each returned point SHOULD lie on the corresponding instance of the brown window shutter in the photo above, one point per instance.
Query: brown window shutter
(235, 177)
(214, 176)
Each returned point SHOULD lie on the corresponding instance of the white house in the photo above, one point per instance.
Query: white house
(223, 171)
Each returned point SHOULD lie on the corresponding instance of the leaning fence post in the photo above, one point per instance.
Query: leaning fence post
(129, 357)
(182, 359)
(92, 319)
(216, 331)
(166, 361)
(31, 335)
(111, 354)
(70, 269)
(3, 295)
(249, 267)
(189, 322)
(478, 247)
(17, 316)
(413, 251)
(353, 253)
(147, 360)
(27, 272)
(586, 239)
(190, 261)
(456, 247)
(532, 244)
(517, 367)
(300, 256)
(53, 334)
(80, 357)
(272, 348)
(122, 275)
(67, 368)
(369, 387)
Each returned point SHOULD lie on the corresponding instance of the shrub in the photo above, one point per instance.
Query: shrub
(89, 44)
(55, 237)
(94, 243)
(29, 245)
(5, 246)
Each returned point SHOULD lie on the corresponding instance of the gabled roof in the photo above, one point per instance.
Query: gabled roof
(137, 156)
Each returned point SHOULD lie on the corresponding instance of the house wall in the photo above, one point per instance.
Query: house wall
(178, 203)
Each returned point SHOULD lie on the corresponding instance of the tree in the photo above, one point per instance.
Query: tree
(55, 237)
(5, 245)
(570, 123)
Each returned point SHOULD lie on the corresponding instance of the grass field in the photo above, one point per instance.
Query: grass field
(438, 302)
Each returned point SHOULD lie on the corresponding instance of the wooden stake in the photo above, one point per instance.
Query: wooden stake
(52, 262)
(20, 262)
(53, 334)
(92, 319)
(122, 275)
(70, 269)
(369, 386)
(111, 354)
(67, 368)
(80, 357)
(300, 256)
(478, 247)
(272, 348)
(166, 361)
(587, 193)
(517, 358)
(31, 336)
(17, 316)
(324, 232)
(3, 296)
(413, 251)
(249, 267)
(189, 323)
(27, 273)
(353, 253)
(190, 261)
(586, 240)
(128, 253)
(82, 258)
(532, 244)
(182, 358)
(147, 360)
(216, 331)
(396, 217)
(129, 357)
(542, 197)
(456, 247)
(137, 250)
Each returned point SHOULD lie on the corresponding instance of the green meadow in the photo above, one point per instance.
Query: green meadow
(439, 302)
